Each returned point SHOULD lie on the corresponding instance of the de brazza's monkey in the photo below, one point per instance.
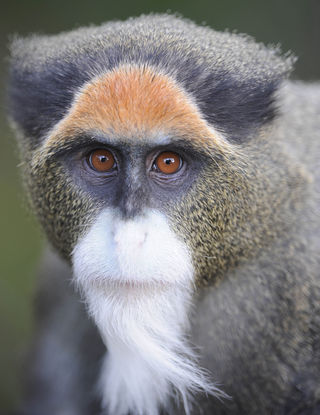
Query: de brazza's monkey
(174, 169)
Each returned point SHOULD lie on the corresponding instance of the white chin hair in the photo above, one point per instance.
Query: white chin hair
(137, 279)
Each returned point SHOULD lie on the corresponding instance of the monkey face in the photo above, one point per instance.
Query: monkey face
(134, 145)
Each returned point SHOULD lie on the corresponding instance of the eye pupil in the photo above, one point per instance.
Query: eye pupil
(168, 162)
(101, 160)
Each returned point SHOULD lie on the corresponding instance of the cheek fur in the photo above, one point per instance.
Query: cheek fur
(62, 207)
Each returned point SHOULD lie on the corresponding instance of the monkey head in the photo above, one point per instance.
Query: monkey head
(144, 145)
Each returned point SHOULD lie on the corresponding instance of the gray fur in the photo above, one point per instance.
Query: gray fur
(238, 53)
(67, 351)
(258, 330)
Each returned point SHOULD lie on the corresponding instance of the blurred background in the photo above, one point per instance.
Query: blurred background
(294, 24)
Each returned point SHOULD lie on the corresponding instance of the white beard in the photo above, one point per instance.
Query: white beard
(137, 278)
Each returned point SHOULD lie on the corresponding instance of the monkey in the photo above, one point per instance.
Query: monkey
(174, 170)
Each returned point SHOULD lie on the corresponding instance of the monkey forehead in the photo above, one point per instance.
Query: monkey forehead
(135, 102)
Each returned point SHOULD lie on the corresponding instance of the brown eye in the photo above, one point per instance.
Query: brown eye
(101, 160)
(168, 162)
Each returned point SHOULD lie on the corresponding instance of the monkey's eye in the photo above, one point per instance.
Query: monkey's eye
(167, 162)
(102, 160)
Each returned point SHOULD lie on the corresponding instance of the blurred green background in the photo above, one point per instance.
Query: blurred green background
(295, 24)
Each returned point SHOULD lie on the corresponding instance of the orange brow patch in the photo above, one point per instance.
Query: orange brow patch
(134, 102)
